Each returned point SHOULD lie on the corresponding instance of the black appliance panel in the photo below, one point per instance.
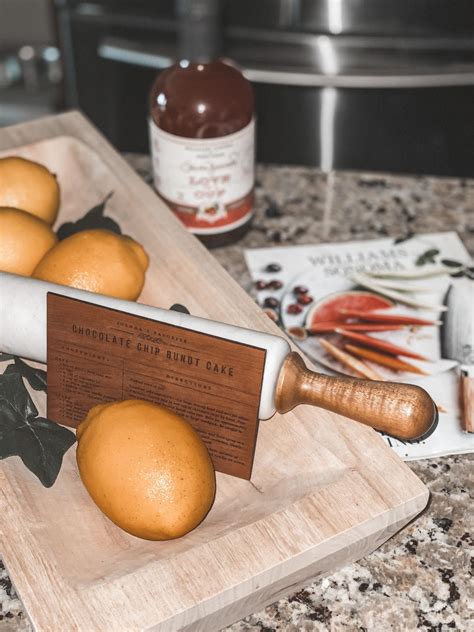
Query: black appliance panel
(386, 103)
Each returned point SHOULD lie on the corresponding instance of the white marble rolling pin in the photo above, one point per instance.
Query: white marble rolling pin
(401, 410)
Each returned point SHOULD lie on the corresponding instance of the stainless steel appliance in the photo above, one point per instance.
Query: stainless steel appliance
(346, 84)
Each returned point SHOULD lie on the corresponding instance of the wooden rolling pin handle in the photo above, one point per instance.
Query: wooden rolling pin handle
(403, 411)
(467, 403)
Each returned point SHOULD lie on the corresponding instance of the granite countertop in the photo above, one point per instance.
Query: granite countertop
(422, 578)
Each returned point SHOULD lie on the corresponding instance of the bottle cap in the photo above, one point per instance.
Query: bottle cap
(198, 29)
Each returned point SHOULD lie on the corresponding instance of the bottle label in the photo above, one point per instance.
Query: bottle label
(207, 182)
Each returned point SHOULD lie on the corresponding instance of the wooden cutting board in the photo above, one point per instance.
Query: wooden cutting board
(324, 490)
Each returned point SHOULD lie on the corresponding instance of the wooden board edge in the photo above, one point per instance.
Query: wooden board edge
(252, 594)
(42, 128)
(274, 584)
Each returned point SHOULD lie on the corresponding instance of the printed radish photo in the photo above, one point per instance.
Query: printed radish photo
(383, 311)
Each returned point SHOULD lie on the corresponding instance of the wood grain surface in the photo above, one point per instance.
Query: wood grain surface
(467, 403)
(405, 411)
(98, 355)
(324, 490)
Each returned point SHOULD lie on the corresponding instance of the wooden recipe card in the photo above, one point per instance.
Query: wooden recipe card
(97, 355)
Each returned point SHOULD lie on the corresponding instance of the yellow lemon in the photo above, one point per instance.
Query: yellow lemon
(24, 240)
(29, 186)
(99, 261)
(146, 468)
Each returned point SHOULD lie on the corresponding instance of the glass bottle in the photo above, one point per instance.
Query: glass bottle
(202, 132)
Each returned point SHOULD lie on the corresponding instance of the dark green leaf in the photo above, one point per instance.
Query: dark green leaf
(40, 443)
(400, 240)
(451, 264)
(43, 444)
(35, 377)
(92, 219)
(427, 257)
(13, 391)
(177, 307)
(9, 420)
(4, 357)
(458, 275)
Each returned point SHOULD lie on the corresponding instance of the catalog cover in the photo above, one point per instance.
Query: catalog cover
(390, 310)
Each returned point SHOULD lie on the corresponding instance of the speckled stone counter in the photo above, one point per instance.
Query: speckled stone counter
(423, 578)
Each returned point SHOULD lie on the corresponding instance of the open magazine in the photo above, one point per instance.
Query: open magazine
(379, 309)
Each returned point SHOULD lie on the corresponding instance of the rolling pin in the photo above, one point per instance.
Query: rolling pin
(403, 411)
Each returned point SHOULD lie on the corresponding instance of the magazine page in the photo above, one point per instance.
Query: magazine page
(381, 310)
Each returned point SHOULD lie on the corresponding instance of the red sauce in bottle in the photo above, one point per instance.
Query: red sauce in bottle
(202, 133)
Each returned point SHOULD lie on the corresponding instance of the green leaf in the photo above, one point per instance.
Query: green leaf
(14, 392)
(427, 257)
(403, 238)
(43, 444)
(39, 442)
(177, 307)
(36, 377)
(450, 263)
(92, 219)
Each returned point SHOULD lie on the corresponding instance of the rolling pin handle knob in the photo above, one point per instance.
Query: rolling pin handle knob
(404, 411)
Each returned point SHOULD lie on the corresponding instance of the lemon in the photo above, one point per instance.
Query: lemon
(29, 186)
(146, 468)
(99, 261)
(24, 240)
